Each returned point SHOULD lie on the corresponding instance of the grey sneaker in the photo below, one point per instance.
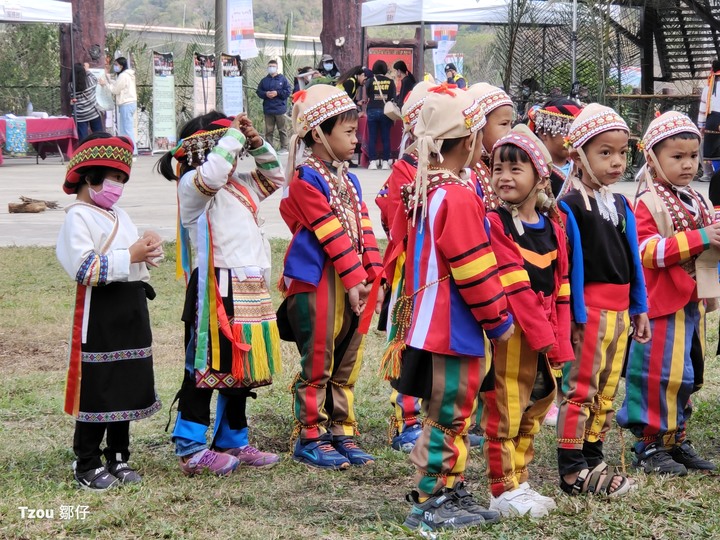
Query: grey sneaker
(656, 459)
(464, 499)
(439, 512)
(95, 479)
(124, 473)
(686, 454)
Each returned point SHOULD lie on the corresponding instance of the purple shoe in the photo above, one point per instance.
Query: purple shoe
(251, 456)
(210, 461)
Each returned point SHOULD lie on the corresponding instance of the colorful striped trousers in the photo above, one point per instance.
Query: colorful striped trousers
(662, 374)
(331, 355)
(513, 413)
(441, 452)
(406, 411)
(591, 381)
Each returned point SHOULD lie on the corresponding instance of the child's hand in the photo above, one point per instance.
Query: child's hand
(556, 365)
(380, 298)
(507, 335)
(357, 297)
(713, 233)
(155, 237)
(641, 324)
(237, 122)
(577, 336)
(146, 250)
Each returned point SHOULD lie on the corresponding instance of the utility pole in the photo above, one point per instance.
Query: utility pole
(84, 42)
(220, 45)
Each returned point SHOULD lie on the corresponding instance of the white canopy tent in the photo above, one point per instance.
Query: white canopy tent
(414, 12)
(37, 11)
(487, 12)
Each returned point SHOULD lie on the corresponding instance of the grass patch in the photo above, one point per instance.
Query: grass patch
(289, 501)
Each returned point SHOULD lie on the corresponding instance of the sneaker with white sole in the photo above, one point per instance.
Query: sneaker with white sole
(548, 502)
(209, 461)
(95, 479)
(373, 165)
(252, 457)
(123, 472)
(518, 502)
(552, 416)
(385, 165)
(440, 511)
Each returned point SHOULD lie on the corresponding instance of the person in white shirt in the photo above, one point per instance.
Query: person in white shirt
(126, 98)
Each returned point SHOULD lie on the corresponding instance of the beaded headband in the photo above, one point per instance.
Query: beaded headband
(531, 145)
(667, 125)
(316, 113)
(200, 142)
(593, 120)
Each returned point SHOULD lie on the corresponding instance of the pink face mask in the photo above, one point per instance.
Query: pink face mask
(108, 195)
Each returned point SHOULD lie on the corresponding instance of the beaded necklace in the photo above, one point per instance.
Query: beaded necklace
(344, 201)
(436, 179)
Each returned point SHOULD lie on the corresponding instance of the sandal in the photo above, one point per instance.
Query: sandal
(598, 481)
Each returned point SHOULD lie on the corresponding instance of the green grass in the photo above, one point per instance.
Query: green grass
(289, 501)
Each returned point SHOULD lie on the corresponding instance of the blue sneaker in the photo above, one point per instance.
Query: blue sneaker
(319, 454)
(405, 441)
(348, 448)
(476, 441)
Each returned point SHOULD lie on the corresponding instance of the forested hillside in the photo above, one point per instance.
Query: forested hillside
(270, 15)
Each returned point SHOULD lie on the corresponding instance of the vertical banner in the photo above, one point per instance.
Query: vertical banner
(204, 84)
(240, 29)
(445, 35)
(163, 122)
(232, 90)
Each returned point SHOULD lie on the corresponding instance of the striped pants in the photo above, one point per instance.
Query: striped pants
(441, 452)
(331, 355)
(406, 411)
(511, 417)
(662, 374)
(589, 387)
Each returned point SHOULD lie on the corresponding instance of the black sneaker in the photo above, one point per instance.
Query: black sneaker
(656, 459)
(685, 453)
(123, 472)
(464, 499)
(439, 512)
(95, 479)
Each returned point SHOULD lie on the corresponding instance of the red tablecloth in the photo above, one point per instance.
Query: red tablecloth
(395, 138)
(46, 134)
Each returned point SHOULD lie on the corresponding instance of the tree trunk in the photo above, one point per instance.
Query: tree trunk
(88, 35)
(341, 33)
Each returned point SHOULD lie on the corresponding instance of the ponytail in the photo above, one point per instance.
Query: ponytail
(165, 168)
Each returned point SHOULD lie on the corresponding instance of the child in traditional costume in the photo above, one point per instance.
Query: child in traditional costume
(608, 291)
(499, 113)
(330, 266)
(551, 123)
(405, 425)
(110, 375)
(531, 252)
(675, 227)
(231, 339)
(452, 293)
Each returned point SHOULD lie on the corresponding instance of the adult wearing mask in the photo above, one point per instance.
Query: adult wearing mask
(125, 92)
(274, 90)
(87, 114)
(328, 67)
(378, 90)
(408, 81)
(453, 77)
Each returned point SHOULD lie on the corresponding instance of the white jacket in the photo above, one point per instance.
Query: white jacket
(124, 87)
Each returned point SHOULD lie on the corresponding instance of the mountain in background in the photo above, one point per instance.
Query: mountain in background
(270, 15)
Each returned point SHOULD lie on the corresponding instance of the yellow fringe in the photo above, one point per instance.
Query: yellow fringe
(392, 360)
(258, 355)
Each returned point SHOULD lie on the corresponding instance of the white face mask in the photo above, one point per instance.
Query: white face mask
(272, 70)
(116, 68)
(328, 66)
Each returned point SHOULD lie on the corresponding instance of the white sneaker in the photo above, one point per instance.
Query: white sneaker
(547, 502)
(552, 416)
(518, 502)
(385, 165)
(373, 165)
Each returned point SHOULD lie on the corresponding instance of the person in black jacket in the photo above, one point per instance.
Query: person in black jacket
(353, 79)
(407, 84)
(274, 90)
(378, 90)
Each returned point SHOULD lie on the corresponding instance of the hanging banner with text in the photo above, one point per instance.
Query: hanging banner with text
(445, 35)
(204, 83)
(232, 90)
(240, 32)
(163, 121)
